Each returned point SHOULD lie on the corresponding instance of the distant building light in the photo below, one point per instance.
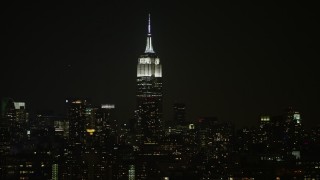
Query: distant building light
(131, 172)
(19, 105)
(55, 171)
(59, 129)
(265, 118)
(91, 131)
(107, 106)
(77, 102)
(296, 117)
(191, 126)
(296, 154)
(149, 143)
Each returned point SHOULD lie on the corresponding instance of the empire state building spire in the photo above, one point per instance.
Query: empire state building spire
(149, 48)
(148, 114)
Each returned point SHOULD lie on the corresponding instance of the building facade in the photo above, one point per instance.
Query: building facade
(149, 94)
(179, 113)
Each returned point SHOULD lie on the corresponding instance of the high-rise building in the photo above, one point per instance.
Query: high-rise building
(106, 126)
(13, 133)
(179, 113)
(76, 114)
(149, 93)
(14, 119)
(77, 117)
(7, 118)
(293, 128)
(106, 121)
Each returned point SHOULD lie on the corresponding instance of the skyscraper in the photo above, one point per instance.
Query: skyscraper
(76, 115)
(77, 119)
(13, 132)
(179, 113)
(149, 93)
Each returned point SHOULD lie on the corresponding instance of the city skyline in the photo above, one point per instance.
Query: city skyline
(221, 60)
(238, 102)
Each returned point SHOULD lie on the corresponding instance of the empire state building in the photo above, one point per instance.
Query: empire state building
(149, 94)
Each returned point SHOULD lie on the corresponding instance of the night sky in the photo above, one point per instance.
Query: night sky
(232, 60)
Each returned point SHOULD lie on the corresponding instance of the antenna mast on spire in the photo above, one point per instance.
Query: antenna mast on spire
(149, 25)
(149, 48)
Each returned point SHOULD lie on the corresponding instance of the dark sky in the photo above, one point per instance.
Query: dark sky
(232, 60)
